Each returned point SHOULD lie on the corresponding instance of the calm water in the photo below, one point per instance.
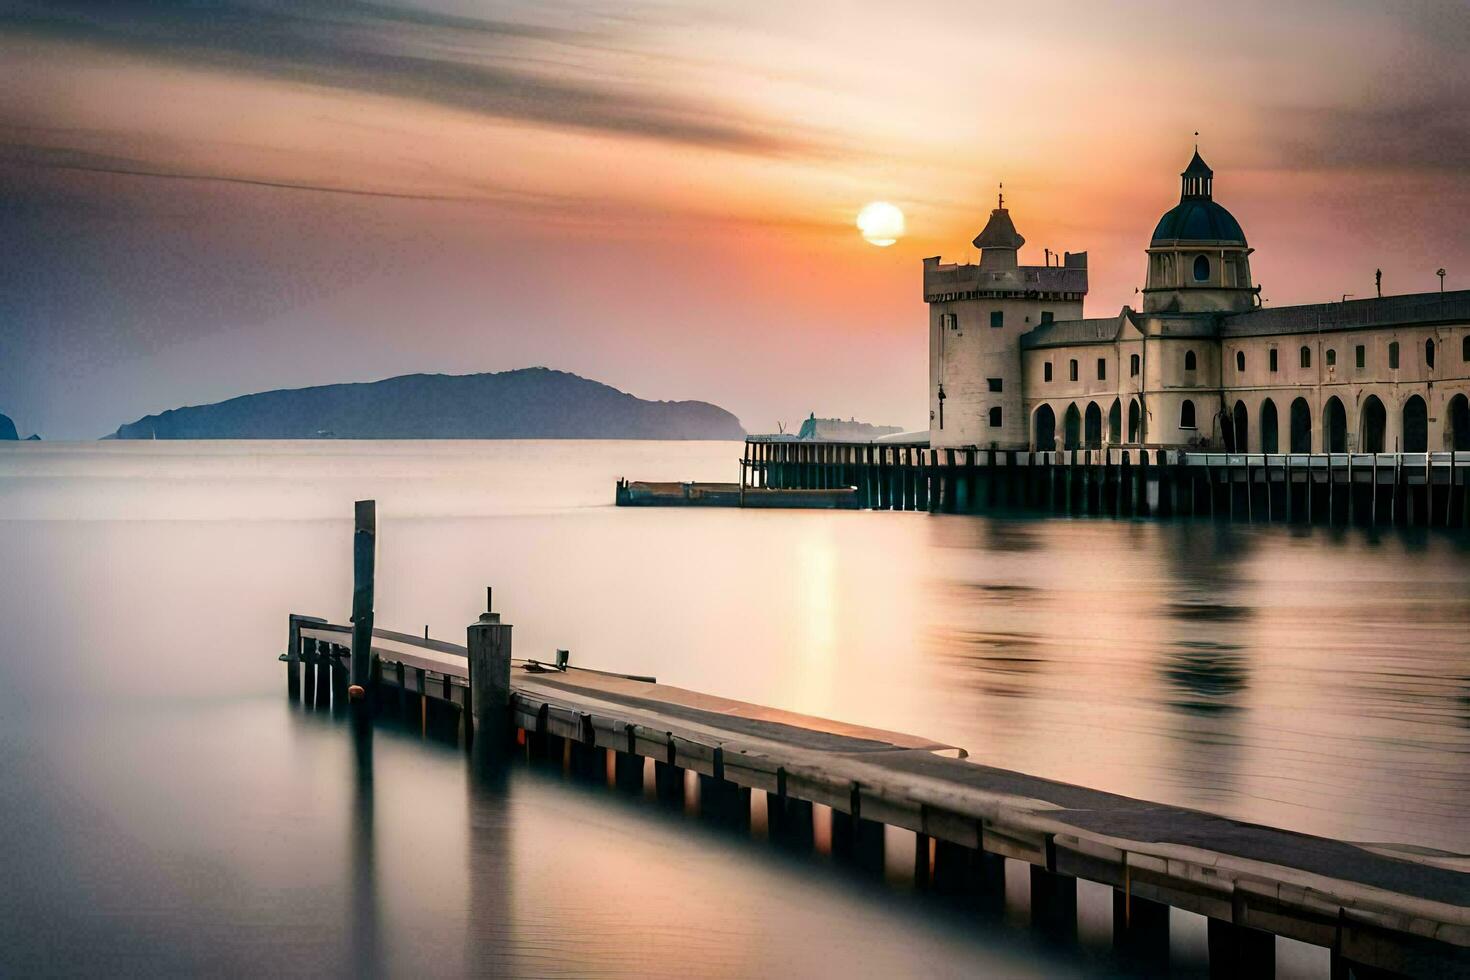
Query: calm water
(169, 810)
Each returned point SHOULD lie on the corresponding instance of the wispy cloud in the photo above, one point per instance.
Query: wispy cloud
(502, 68)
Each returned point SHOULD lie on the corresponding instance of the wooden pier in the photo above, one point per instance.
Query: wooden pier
(1367, 489)
(1375, 908)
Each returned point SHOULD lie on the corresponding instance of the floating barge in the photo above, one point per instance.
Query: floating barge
(1376, 908)
(642, 494)
(1405, 489)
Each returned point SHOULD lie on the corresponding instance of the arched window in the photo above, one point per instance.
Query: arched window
(1201, 268)
(1133, 363)
(1307, 356)
(1393, 356)
(1189, 360)
(1465, 348)
(1240, 360)
(1428, 357)
(1331, 357)
(1186, 415)
(1072, 370)
(995, 417)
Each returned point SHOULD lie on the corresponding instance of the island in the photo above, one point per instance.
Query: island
(529, 403)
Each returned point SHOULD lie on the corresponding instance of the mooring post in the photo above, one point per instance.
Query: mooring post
(293, 660)
(489, 656)
(364, 557)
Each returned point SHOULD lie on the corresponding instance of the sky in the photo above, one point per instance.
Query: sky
(204, 198)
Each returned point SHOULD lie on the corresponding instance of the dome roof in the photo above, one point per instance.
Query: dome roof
(1197, 219)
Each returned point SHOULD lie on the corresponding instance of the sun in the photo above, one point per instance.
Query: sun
(881, 223)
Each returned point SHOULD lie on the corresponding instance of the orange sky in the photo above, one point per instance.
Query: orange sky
(211, 201)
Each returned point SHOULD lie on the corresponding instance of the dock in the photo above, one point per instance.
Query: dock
(1363, 489)
(635, 493)
(1376, 908)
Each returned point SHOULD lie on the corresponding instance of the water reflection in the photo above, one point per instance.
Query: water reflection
(1317, 679)
(366, 955)
(1206, 676)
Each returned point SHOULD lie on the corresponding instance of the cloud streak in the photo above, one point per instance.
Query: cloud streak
(502, 69)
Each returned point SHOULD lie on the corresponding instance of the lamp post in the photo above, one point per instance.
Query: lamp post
(1440, 273)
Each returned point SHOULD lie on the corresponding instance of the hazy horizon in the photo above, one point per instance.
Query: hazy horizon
(208, 200)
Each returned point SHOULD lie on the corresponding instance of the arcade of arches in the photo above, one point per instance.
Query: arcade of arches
(1379, 429)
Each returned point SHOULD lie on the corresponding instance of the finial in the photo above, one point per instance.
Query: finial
(1002, 203)
(1196, 141)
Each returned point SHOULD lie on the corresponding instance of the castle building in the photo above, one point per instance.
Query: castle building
(1013, 364)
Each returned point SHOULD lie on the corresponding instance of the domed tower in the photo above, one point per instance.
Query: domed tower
(1198, 260)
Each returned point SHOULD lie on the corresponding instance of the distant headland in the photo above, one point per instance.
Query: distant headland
(530, 403)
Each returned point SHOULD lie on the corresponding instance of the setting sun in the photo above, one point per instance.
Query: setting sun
(881, 223)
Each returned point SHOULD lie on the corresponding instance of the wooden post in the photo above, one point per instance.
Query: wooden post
(1237, 951)
(293, 660)
(322, 687)
(488, 641)
(364, 558)
(1141, 932)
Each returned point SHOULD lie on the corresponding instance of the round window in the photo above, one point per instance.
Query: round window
(1201, 268)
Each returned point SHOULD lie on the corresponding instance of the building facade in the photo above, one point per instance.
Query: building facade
(1014, 364)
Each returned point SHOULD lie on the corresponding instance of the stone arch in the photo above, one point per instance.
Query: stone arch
(1270, 428)
(1301, 426)
(1240, 428)
(1044, 429)
(1373, 425)
(1135, 419)
(1189, 360)
(1092, 426)
(1415, 425)
(1334, 426)
(1115, 423)
(1187, 417)
(1458, 416)
(1072, 428)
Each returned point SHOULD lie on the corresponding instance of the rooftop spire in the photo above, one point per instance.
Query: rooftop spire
(1198, 179)
(1000, 241)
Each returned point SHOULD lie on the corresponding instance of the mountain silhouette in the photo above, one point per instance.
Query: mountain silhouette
(530, 403)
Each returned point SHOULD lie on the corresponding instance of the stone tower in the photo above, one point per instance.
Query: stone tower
(977, 314)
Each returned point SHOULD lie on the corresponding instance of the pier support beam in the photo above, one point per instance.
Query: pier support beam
(1054, 903)
(1236, 951)
(668, 783)
(790, 821)
(1141, 933)
(488, 641)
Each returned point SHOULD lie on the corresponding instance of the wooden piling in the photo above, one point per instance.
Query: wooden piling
(293, 660)
(364, 555)
(488, 641)
(1236, 951)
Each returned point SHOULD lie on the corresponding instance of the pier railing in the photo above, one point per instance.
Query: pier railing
(1426, 489)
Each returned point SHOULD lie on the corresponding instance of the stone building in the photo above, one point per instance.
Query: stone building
(1014, 364)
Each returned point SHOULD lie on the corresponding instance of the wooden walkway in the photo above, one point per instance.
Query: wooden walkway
(1374, 908)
